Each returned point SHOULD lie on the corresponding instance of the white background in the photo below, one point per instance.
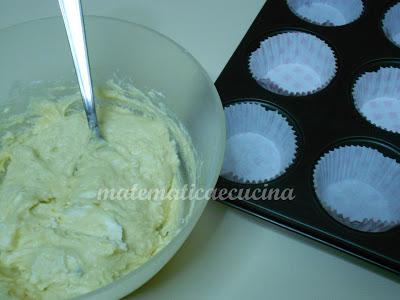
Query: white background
(229, 255)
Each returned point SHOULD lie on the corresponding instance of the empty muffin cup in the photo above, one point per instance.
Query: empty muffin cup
(293, 64)
(391, 24)
(377, 97)
(261, 144)
(359, 187)
(327, 12)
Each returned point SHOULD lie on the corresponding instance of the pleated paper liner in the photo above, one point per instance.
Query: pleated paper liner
(293, 64)
(359, 187)
(391, 24)
(377, 97)
(261, 144)
(327, 12)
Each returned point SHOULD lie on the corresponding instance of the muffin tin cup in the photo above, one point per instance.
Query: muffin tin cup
(391, 24)
(293, 64)
(261, 144)
(376, 96)
(327, 12)
(359, 187)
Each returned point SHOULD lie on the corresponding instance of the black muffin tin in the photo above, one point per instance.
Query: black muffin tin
(324, 120)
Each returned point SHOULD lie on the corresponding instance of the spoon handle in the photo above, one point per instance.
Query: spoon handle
(73, 20)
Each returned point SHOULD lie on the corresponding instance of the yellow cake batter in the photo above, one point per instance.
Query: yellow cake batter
(57, 238)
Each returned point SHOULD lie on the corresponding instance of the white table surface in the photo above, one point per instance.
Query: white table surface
(229, 255)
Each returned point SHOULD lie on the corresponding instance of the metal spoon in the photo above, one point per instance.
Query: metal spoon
(73, 20)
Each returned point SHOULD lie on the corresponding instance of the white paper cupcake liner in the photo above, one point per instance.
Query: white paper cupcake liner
(377, 97)
(293, 64)
(359, 187)
(261, 144)
(327, 12)
(391, 24)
